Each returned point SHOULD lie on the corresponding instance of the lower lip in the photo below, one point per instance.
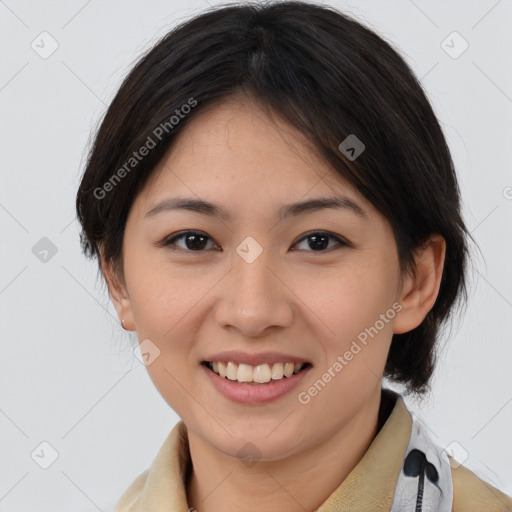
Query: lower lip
(255, 393)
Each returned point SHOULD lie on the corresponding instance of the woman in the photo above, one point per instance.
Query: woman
(275, 211)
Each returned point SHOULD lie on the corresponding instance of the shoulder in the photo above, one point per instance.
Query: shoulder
(472, 494)
(163, 482)
(130, 500)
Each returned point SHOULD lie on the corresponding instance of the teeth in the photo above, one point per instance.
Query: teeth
(231, 371)
(277, 371)
(288, 369)
(261, 374)
(244, 373)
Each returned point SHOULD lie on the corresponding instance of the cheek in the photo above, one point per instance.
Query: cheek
(164, 296)
(353, 298)
(360, 312)
(167, 306)
(358, 307)
(171, 378)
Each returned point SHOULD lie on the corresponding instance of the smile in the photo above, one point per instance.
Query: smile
(259, 374)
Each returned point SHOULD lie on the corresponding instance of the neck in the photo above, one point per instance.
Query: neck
(220, 482)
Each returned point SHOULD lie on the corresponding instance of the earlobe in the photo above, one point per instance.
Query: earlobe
(119, 294)
(421, 286)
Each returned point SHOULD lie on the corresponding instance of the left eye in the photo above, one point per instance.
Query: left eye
(319, 240)
(195, 241)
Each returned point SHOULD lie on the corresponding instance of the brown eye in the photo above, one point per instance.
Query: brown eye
(318, 241)
(192, 241)
(196, 241)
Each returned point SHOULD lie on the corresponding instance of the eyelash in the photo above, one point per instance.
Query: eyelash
(171, 240)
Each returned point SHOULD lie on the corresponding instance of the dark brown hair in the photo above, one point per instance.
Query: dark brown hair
(329, 76)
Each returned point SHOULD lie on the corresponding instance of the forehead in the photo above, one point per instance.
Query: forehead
(234, 153)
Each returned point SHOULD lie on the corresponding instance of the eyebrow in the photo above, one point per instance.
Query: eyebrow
(294, 209)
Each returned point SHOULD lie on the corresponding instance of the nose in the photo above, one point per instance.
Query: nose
(254, 297)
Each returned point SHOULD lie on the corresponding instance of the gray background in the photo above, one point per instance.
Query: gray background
(68, 376)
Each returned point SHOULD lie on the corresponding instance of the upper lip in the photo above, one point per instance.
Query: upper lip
(254, 359)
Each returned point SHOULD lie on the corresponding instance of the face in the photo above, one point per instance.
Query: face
(316, 286)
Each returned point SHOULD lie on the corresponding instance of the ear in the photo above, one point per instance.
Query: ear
(421, 286)
(118, 293)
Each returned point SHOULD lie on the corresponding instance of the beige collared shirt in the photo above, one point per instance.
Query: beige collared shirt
(369, 487)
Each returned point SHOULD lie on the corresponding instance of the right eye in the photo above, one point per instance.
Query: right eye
(193, 241)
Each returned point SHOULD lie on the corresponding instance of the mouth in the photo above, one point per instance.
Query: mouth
(257, 375)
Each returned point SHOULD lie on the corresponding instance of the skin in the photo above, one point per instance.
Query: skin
(292, 298)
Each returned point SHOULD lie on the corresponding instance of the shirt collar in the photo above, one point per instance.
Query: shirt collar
(369, 486)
